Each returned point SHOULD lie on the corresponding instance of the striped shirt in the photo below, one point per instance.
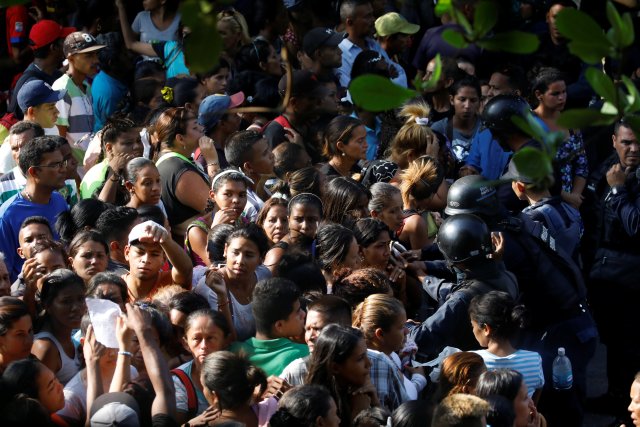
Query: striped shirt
(14, 181)
(528, 363)
(76, 110)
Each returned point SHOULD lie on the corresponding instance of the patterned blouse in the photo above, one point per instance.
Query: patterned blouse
(572, 160)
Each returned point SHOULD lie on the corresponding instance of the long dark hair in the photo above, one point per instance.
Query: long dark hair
(301, 406)
(503, 382)
(232, 377)
(335, 344)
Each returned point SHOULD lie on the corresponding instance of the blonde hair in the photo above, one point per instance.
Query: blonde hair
(420, 180)
(412, 137)
(376, 311)
(237, 22)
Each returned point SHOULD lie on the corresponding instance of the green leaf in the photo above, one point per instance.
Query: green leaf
(609, 108)
(203, 46)
(462, 20)
(628, 29)
(533, 163)
(425, 86)
(376, 93)
(634, 95)
(576, 25)
(619, 33)
(443, 6)
(591, 53)
(587, 41)
(580, 118)
(602, 84)
(454, 38)
(485, 18)
(532, 127)
(512, 42)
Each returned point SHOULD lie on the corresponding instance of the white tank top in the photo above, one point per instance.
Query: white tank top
(69, 366)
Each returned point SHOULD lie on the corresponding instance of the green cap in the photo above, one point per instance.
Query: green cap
(393, 23)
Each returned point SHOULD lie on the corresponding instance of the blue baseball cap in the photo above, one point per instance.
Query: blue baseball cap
(213, 107)
(37, 92)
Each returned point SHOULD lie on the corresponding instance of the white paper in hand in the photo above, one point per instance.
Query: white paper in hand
(104, 314)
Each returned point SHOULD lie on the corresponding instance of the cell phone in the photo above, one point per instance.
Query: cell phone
(398, 247)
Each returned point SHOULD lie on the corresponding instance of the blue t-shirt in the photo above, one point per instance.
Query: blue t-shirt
(107, 94)
(12, 213)
(487, 156)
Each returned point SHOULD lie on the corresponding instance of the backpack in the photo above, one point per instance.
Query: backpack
(192, 397)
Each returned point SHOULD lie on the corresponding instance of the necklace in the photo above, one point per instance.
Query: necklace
(26, 195)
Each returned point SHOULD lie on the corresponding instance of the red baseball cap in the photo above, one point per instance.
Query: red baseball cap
(47, 31)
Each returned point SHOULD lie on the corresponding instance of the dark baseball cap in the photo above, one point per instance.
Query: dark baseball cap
(37, 92)
(320, 37)
(80, 42)
(213, 107)
(304, 83)
(46, 31)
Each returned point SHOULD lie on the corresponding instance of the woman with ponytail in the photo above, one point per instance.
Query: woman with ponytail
(496, 319)
(382, 319)
(306, 406)
(424, 190)
(229, 382)
(415, 138)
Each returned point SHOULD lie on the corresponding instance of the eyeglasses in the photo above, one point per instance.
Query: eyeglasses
(56, 165)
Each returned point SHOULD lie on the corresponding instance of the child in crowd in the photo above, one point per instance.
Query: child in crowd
(278, 317)
(150, 245)
(382, 319)
(326, 310)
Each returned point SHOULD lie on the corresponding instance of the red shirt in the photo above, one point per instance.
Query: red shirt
(17, 22)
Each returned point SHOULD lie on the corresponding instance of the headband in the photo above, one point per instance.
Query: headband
(229, 172)
(304, 194)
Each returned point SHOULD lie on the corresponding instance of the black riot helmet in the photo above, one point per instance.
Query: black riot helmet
(464, 238)
(499, 110)
(472, 194)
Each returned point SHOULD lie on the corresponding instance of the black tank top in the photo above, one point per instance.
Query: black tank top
(171, 169)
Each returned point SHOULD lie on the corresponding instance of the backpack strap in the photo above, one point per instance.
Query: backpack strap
(192, 398)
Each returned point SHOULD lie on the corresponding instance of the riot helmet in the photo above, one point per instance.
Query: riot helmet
(497, 116)
(472, 194)
(464, 238)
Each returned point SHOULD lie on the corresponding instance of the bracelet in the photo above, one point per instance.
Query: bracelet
(126, 353)
(213, 164)
(228, 302)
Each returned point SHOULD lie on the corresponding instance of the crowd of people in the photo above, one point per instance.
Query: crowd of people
(170, 257)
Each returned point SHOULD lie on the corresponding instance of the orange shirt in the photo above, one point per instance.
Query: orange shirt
(164, 279)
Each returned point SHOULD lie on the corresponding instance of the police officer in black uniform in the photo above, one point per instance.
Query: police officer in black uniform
(612, 240)
(465, 242)
(551, 287)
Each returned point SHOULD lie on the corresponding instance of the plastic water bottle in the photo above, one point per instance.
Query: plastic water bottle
(562, 374)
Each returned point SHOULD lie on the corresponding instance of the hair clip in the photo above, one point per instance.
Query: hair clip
(167, 94)
(422, 121)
